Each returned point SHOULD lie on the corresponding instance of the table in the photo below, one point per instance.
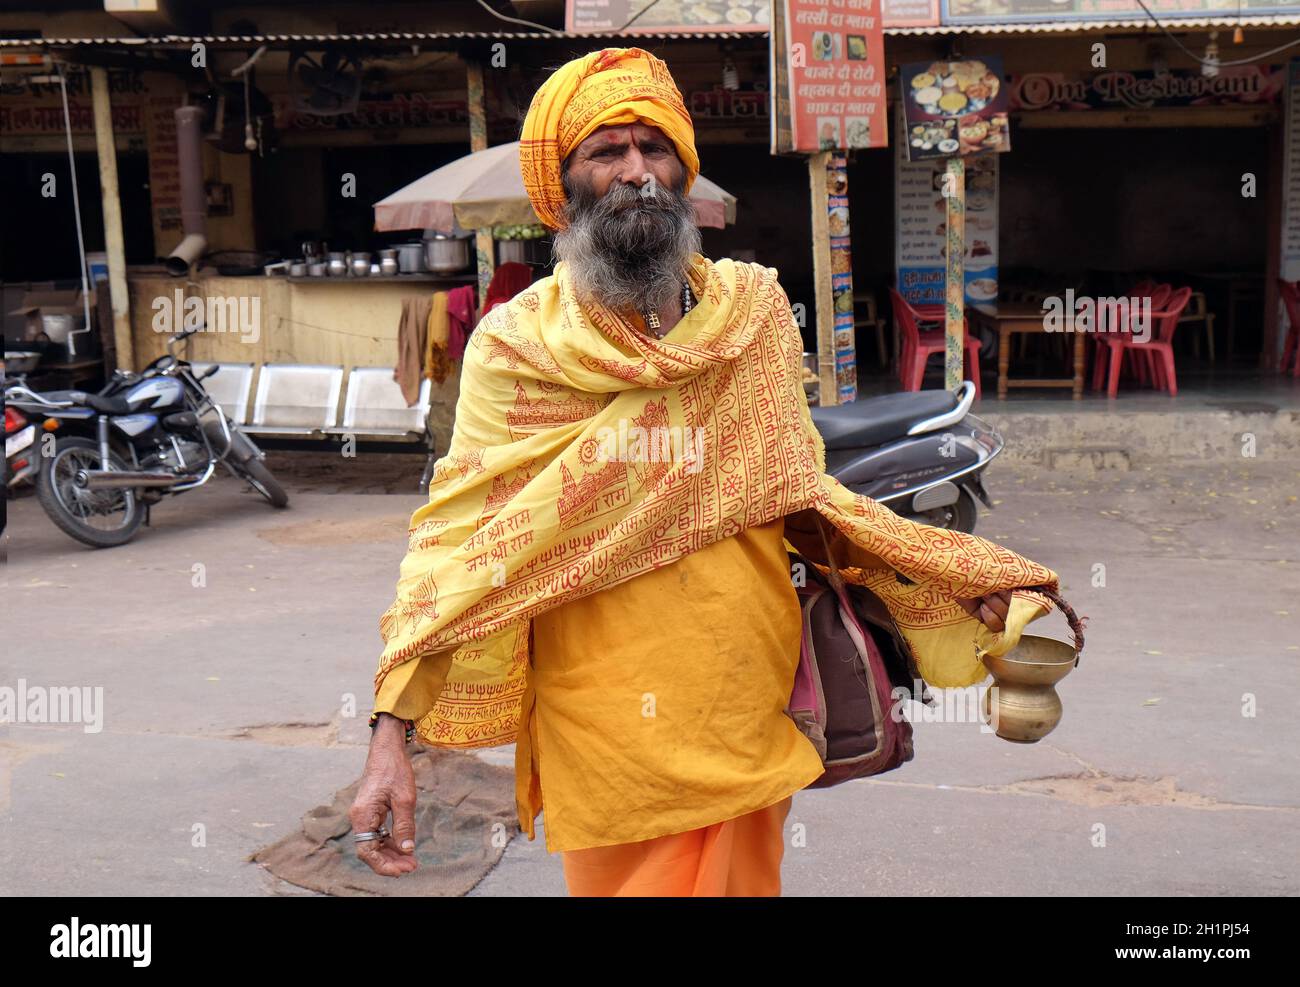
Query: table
(867, 300)
(1008, 318)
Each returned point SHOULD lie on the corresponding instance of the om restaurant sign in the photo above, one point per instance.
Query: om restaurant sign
(1234, 85)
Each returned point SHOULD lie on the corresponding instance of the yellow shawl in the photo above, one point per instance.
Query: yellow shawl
(528, 509)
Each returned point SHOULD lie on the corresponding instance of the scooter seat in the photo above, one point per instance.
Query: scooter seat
(875, 421)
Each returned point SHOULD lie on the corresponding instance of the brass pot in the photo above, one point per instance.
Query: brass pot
(1024, 688)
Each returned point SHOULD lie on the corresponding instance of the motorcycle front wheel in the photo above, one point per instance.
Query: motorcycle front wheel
(100, 518)
(261, 479)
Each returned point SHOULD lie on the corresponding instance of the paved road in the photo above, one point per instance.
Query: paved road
(227, 634)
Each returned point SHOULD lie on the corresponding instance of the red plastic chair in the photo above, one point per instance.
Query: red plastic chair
(1159, 295)
(919, 345)
(1291, 350)
(1157, 352)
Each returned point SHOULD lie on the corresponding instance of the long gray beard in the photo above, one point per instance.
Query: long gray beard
(627, 250)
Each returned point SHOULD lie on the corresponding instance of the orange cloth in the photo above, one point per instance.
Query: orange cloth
(436, 362)
(708, 645)
(605, 88)
(739, 857)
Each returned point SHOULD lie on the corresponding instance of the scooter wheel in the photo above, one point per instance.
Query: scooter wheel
(958, 516)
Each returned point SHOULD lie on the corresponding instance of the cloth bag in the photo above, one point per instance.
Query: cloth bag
(847, 689)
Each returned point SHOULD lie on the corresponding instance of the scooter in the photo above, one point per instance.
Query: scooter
(920, 453)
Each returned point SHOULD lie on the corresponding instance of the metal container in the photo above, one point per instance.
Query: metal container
(297, 270)
(317, 270)
(1023, 704)
(444, 254)
(337, 266)
(57, 327)
(509, 251)
(361, 266)
(410, 258)
(20, 361)
(388, 266)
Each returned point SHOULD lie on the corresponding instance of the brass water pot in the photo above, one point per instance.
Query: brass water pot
(1024, 687)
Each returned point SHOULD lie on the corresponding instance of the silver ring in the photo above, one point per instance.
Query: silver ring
(381, 833)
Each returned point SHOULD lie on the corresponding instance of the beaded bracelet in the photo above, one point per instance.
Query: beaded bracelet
(408, 724)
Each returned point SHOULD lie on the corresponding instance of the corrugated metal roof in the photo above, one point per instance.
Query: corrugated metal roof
(1174, 24)
(405, 37)
(408, 37)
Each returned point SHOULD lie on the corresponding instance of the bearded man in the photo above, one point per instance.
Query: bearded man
(629, 619)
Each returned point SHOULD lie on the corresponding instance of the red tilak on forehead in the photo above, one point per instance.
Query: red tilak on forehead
(629, 131)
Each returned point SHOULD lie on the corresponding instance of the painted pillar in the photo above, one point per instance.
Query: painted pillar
(478, 141)
(954, 323)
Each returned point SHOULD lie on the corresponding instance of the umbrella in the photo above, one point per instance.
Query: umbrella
(485, 189)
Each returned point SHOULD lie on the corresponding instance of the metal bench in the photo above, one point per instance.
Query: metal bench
(302, 401)
(231, 387)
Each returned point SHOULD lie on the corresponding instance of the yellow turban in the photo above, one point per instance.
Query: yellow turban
(606, 88)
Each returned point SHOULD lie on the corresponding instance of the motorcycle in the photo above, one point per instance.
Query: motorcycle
(920, 453)
(143, 436)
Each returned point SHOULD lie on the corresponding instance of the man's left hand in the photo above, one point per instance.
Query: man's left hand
(990, 610)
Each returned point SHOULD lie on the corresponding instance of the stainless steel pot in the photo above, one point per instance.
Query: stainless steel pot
(444, 254)
(512, 251)
(297, 270)
(410, 258)
(361, 265)
(388, 266)
(317, 270)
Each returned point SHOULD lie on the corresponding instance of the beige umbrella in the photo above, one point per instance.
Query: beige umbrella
(485, 189)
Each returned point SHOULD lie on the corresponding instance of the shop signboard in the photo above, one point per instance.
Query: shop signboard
(1244, 85)
(921, 213)
(376, 112)
(1028, 11)
(666, 16)
(954, 108)
(35, 109)
(674, 16)
(1289, 266)
(910, 13)
(829, 66)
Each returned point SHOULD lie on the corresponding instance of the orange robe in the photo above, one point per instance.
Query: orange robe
(654, 736)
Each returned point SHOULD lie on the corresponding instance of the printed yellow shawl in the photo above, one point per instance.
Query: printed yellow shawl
(526, 513)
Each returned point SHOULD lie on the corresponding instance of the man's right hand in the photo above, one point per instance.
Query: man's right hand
(388, 784)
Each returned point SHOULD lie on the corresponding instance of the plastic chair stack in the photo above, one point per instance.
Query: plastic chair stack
(1154, 358)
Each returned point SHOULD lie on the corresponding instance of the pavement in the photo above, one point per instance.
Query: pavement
(230, 641)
